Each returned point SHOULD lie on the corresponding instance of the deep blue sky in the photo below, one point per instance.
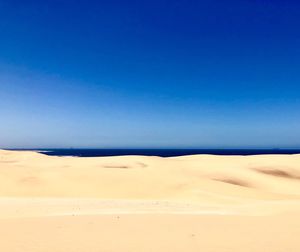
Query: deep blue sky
(182, 73)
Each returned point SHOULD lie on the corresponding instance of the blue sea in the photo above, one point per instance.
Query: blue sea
(162, 152)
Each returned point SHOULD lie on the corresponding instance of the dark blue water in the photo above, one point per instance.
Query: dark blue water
(162, 152)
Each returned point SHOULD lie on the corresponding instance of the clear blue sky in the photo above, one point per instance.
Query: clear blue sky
(154, 73)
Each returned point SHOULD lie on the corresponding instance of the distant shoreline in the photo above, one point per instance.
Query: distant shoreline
(79, 152)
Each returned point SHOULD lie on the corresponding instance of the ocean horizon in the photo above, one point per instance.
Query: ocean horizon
(162, 152)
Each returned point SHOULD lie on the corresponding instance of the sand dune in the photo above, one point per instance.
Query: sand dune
(188, 203)
(199, 177)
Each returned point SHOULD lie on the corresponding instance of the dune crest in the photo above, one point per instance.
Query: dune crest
(194, 178)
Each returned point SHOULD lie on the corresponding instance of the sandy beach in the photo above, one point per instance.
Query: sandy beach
(142, 203)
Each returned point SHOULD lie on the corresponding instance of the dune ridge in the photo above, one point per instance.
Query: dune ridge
(31, 174)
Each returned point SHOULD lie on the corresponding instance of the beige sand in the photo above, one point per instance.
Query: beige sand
(139, 203)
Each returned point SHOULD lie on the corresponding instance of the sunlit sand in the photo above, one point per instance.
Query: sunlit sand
(141, 203)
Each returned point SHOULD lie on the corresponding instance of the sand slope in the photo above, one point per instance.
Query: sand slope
(197, 178)
(139, 203)
(149, 233)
